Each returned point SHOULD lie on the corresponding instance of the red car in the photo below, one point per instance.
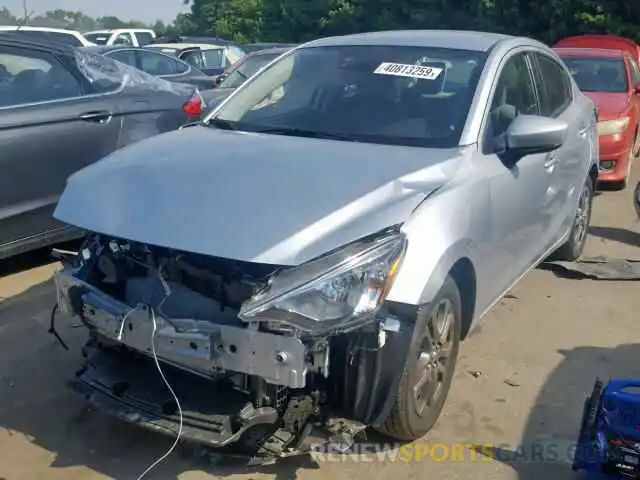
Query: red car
(606, 69)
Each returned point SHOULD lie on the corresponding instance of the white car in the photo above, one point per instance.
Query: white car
(134, 37)
(60, 35)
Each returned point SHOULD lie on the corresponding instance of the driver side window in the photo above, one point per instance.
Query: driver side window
(514, 95)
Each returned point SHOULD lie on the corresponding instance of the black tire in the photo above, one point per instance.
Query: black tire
(406, 420)
(572, 249)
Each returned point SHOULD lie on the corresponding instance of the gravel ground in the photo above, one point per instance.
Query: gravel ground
(521, 381)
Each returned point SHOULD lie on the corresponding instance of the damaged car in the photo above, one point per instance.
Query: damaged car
(307, 260)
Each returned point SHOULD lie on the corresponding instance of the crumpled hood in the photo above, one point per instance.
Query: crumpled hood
(263, 198)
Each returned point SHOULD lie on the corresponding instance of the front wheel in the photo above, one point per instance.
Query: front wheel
(426, 378)
(574, 246)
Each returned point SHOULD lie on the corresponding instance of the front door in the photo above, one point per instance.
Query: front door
(49, 128)
(519, 192)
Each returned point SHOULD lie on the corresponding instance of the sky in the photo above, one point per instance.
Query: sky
(144, 10)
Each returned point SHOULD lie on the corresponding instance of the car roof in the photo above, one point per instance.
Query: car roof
(454, 39)
(27, 28)
(108, 48)
(9, 38)
(269, 51)
(113, 30)
(588, 52)
(179, 46)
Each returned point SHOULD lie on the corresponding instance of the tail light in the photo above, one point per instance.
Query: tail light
(194, 106)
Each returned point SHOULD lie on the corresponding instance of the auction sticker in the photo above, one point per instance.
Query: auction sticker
(404, 70)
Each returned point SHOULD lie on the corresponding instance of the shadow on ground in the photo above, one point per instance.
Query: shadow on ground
(39, 411)
(617, 234)
(546, 448)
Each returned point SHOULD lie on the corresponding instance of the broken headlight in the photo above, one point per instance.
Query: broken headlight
(338, 291)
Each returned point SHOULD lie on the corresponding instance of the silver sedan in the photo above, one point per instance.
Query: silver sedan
(361, 203)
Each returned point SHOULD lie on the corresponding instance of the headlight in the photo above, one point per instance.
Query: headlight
(611, 127)
(341, 290)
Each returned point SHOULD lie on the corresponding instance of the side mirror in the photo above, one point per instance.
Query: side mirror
(530, 134)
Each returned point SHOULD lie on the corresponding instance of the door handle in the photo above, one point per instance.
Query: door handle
(583, 131)
(102, 117)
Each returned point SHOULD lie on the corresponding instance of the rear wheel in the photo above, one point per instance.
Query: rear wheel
(426, 378)
(574, 246)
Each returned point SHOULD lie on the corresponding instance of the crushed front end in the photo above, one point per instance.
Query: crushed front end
(263, 359)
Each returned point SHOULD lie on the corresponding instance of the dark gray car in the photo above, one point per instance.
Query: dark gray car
(237, 74)
(62, 109)
(157, 64)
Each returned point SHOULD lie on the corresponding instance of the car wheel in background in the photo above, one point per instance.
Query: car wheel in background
(574, 246)
(426, 378)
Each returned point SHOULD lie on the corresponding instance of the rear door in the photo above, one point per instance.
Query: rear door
(51, 124)
(567, 166)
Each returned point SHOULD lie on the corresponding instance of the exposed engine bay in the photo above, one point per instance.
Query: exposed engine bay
(260, 386)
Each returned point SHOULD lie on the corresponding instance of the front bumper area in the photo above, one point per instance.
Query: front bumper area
(615, 153)
(128, 386)
(201, 346)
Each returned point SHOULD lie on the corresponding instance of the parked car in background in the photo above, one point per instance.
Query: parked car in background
(207, 40)
(604, 42)
(237, 74)
(212, 59)
(72, 38)
(611, 79)
(157, 64)
(62, 109)
(255, 47)
(319, 246)
(133, 37)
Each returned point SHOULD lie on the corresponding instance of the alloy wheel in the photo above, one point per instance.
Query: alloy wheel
(434, 356)
(582, 216)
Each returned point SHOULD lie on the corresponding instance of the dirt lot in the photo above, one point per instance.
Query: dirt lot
(521, 381)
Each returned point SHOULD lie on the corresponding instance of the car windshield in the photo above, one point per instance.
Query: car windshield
(401, 95)
(98, 38)
(245, 69)
(598, 74)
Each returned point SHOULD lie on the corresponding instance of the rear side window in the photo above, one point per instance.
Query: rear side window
(214, 58)
(144, 38)
(158, 64)
(32, 76)
(554, 86)
(104, 74)
(124, 56)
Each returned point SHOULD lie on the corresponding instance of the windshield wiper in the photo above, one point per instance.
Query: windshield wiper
(298, 132)
(221, 124)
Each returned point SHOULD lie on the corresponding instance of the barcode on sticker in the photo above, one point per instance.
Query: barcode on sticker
(404, 70)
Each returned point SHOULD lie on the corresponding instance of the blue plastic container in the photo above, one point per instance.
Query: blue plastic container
(609, 440)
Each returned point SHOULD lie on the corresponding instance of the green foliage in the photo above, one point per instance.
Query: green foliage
(60, 18)
(299, 20)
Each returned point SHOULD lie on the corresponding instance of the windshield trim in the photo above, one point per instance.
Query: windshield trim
(442, 142)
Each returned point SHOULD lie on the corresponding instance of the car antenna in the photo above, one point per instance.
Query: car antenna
(27, 15)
